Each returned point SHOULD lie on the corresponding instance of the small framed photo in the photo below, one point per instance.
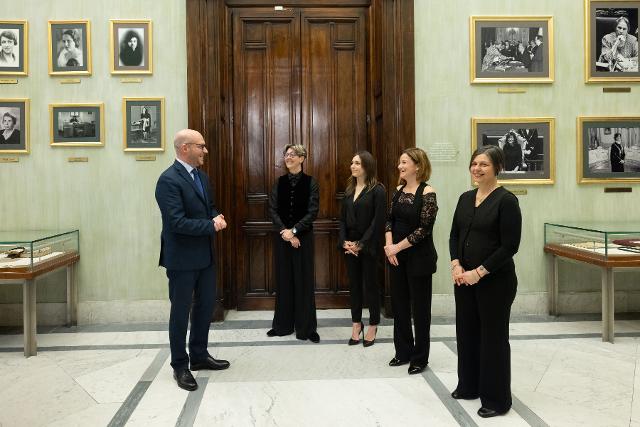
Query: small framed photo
(143, 124)
(611, 41)
(528, 144)
(511, 49)
(70, 47)
(608, 149)
(14, 135)
(131, 46)
(76, 125)
(14, 48)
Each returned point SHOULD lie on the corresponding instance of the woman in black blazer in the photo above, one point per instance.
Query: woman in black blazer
(485, 235)
(412, 257)
(361, 228)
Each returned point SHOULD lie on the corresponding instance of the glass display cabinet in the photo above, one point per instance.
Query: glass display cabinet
(609, 246)
(27, 255)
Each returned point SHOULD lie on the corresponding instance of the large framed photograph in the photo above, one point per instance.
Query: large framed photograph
(14, 48)
(611, 40)
(14, 135)
(131, 46)
(608, 149)
(70, 47)
(143, 124)
(528, 144)
(511, 49)
(76, 125)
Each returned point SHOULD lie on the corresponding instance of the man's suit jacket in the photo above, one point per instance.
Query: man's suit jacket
(537, 60)
(187, 229)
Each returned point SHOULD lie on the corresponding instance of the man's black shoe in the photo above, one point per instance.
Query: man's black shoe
(185, 380)
(210, 363)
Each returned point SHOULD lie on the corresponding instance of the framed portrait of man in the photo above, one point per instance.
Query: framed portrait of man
(131, 44)
(14, 129)
(528, 144)
(76, 125)
(511, 49)
(143, 124)
(608, 149)
(611, 41)
(14, 48)
(70, 47)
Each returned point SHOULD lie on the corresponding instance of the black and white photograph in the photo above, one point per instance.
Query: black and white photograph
(131, 46)
(609, 149)
(511, 49)
(612, 34)
(77, 125)
(143, 124)
(14, 50)
(69, 47)
(14, 129)
(527, 143)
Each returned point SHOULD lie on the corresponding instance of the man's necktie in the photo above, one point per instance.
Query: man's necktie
(196, 178)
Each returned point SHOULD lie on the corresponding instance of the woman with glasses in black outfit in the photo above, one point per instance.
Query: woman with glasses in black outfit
(361, 228)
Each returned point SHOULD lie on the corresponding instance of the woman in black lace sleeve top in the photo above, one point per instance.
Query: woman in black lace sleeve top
(485, 235)
(412, 257)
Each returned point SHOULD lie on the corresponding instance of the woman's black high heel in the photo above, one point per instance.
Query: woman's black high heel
(355, 342)
(366, 343)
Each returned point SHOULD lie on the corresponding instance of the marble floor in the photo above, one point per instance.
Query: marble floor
(562, 375)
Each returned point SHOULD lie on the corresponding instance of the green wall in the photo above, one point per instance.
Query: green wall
(446, 101)
(110, 199)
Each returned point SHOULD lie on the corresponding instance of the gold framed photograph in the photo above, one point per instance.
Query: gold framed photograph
(143, 124)
(131, 46)
(14, 48)
(608, 149)
(511, 49)
(611, 41)
(70, 47)
(14, 135)
(528, 144)
(76, 125)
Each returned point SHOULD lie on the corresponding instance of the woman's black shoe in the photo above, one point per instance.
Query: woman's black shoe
(397, 362)
(354, 342)
(416, 369)
(367, 343)
(457, 395)
(488, 413)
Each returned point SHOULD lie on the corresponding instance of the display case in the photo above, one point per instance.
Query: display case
(611, 246)
(28, 251)
(608, 241)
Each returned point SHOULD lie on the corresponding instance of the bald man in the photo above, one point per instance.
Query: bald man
(189, 223)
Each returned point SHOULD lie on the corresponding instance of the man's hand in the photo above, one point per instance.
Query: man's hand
(295, 242)
(219, 223)
(287, 234)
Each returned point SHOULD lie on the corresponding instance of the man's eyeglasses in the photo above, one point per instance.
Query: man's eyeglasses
(200, 146)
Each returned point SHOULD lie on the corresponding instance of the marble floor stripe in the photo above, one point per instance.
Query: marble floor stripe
(192, 404)
(131, 402)
(521, 409)
(452, 405)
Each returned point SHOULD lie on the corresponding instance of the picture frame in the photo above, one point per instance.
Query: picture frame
(70, 48)
(14, 48)
(494, 61)
(598, 157)
(609, 25)
(131, 46)
(143, 124)
(531, 160)
(77, 125)
(14, 118)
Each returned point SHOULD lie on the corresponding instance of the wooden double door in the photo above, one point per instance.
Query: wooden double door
(299, 76)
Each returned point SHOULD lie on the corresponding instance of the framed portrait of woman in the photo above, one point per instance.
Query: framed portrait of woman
(14, 126)
(528, 144)
(608, 149)
(511, 49)
(14, 48)
(611, 40)
(70, 47)
(143, 124)
(131, 44)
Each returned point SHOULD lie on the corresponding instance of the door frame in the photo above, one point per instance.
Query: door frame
(390, 103)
